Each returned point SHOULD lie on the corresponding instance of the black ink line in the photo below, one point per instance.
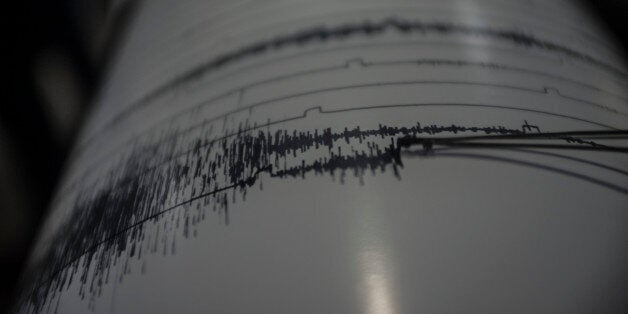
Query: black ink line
(325, 90)
(570, 137)
(94, 165)
(418, 62)
(107, 219)
(568, 173)
(323, 34)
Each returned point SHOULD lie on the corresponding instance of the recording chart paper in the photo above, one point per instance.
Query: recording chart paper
(284, 156)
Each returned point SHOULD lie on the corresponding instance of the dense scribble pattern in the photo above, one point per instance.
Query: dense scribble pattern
(170, 184)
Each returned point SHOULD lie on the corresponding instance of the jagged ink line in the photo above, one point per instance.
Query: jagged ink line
(94, 165)
(179, 133)
(368, 85)
(318, 109)
(108, 216)
(269, 101)
(422, 61)
(342, 32)
(107, 220)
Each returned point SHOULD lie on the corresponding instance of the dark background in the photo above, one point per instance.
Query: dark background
(55, 54)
